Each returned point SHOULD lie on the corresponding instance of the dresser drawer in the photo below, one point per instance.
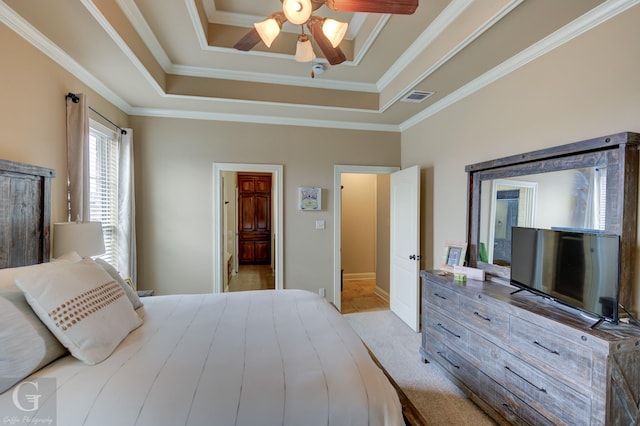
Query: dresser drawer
(442, 297)
(484, 317)
(552, 398)
(555, 400)
(445, 328)
(563, 356)
(512, 408)
(454, 363)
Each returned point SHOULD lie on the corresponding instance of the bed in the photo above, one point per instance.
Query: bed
(270, 357)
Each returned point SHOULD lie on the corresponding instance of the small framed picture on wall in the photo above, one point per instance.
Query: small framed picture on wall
(309, 198)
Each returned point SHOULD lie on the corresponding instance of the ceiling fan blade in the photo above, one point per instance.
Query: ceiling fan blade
(249, 41)
(396, 7)
(334, 55)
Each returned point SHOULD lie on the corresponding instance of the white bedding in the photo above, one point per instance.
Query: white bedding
(282, 357)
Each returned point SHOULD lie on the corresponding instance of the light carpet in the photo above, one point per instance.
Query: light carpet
(396, 347)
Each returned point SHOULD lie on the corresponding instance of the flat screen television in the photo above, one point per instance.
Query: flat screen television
(578, 269)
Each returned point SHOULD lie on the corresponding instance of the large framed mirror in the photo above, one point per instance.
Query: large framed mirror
(590, 185)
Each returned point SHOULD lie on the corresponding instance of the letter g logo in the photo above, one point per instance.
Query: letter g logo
(33, 399)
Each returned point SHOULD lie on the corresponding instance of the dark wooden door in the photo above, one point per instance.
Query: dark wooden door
(254, 218)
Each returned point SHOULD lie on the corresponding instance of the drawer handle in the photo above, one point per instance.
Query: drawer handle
(441, 297)
(447, 359)
(481, 317)
(553, 351)
(447, 330)
(530, 383)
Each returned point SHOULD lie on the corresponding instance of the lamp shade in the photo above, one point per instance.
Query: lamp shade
(304, 50)
(85, 238)
(297, 11)
(334, 31)
(268, 30)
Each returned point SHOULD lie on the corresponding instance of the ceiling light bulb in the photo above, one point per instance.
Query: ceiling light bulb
(304, 50)
(268, 30)
(297, 11)
(334, 31)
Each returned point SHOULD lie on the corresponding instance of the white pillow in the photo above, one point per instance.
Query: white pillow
(8, 275)
(83, 307)
(131, 295)
(27, 344)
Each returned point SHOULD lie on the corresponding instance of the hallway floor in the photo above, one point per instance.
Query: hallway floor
(253, 277)
(357, 295)
(360, 296)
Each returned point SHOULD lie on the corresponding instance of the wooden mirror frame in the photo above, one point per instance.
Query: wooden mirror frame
(619, 152)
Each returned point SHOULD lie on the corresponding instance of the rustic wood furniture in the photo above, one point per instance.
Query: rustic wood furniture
(25, 214)
(525, 360)
(254, 218)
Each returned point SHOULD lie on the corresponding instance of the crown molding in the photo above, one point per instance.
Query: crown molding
(468, 40)
(258, 77)
(264, 119)
(25, 30)
(581, 25)
(442, 21)
(131, 11)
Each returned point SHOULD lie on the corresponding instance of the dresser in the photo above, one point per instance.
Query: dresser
(528, 360)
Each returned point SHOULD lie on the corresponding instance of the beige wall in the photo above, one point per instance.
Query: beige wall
(358, 225)
(33, 111)
(586, 88)
(174, 159)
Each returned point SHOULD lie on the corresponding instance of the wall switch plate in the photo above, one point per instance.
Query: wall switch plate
(319, 224)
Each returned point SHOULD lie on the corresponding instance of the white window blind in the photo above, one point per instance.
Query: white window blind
(103, 185)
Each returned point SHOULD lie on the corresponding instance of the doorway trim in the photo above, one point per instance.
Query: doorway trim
(337, 215)
(218, 263)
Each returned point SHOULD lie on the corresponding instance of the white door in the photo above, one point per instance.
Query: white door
(404, 288)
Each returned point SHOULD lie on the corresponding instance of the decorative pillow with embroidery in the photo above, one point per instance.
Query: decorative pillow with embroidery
(131, 294)
(83, 306)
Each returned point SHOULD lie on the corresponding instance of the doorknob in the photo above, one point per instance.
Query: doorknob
(414, 257)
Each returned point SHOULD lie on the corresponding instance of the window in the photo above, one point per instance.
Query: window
(103, 186)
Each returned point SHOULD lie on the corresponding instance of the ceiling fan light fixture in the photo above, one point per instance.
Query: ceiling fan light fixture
(297, 11)
(268, 30)
(304, 49)
(334, 31)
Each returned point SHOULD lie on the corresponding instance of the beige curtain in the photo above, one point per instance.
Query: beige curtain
(78, 157)
(126, 209)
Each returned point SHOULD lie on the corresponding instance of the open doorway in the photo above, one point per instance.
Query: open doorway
(267, 270)
(365, 242)
(366, 271)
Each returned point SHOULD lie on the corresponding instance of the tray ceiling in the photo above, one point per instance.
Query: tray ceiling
(176, 58)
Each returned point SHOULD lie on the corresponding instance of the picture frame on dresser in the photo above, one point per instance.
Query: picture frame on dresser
(454, 255)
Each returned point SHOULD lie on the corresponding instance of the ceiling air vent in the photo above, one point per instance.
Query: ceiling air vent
(416, 96)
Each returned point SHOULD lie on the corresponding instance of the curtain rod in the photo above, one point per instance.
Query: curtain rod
(75, 99)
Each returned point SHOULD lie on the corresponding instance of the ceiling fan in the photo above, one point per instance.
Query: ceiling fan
(327, 33)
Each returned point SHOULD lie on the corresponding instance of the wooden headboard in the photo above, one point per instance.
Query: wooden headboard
(25, 213)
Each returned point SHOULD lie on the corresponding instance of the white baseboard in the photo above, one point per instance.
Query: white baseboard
(359, 276)
(380, 292)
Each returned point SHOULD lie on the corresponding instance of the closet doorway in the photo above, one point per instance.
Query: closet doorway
(363, 267)
(242, 201)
